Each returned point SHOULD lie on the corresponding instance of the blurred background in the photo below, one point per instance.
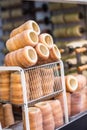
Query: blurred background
(66, 22)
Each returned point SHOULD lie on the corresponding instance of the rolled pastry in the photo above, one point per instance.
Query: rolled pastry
(8, 114)
(16, 101)
(45, 108)
(4, 74)
(57, 112)
(78, 103)
(47, 75)
(16, 87)
(15, 77)
(76, 31)
(56, 19)
(47, 115)
(35, 84)
(60, 98)
(5, 85)
(46, 39)
(25, 38)
(71, 83)
(42, 52)
(27, 56)
(16, 94)
(55, 53)
(5, 94)
(73, 17)
(81, 81)
(5, 80)
(34, 112)
(24, 57)
(57, 83)
(10, 59)
(35, 118)
(26, 26)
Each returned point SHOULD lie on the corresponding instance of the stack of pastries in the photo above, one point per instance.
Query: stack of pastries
(28, 47)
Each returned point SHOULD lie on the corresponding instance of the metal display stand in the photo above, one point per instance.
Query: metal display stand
(58, 70)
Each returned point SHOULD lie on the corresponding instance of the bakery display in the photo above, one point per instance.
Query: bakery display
(28, 48)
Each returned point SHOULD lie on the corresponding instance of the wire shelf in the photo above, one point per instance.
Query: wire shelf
(43, 80)
(34, 84)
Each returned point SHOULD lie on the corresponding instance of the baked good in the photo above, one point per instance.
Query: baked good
(57, 83)
(15, 77)
(35, 118)
(46, 39)
(78, 103)
(81, 81)
(26, 26)
(8, 114)
(60, 98)
(42, 52)
(48, 120)
(57, 112)
(54, 53)
(35, 84)
(25, 38)
(24, 57)
(47, 75)
(16, 94)
(71, 83)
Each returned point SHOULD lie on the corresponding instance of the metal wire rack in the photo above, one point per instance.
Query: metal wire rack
(41, 83)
